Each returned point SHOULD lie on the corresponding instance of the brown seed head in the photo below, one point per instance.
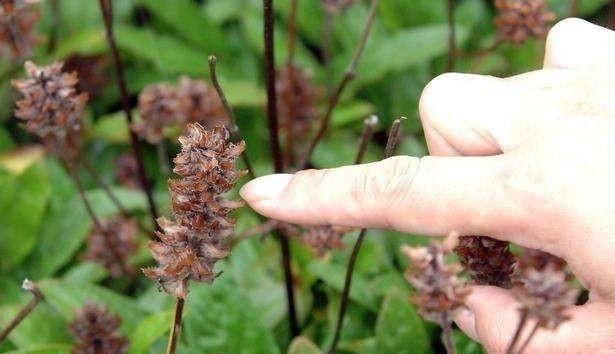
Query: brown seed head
(114, 245)
(17, 21)
(297, 100)
(439, 291)
(488, 260)
(323, 239)
(96, 331)
(158, 107)
(542, 287)
(52, 108)
(199, 103)
(519, 20)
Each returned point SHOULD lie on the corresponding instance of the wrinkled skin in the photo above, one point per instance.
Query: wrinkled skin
(528, 159)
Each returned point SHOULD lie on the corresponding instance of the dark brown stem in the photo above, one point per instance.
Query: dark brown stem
(392, 142)
(56, 19)
(176, 326)
(234, 129)
(447, 335)
(452, 41)
(290, 58)
(272, 110)
(369, 125)
(25, 311)
(293, 320)
(528, 339)
(106, 8)
(349, 75)
(518, 331)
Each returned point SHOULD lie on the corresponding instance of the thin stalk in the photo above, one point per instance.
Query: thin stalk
(290, 57)
(518, 331)
(349, 75)
(176, 326)
(235, 132)
(106, 8)
(25, 311)
(163, 160)
(392, 142)
(369, 125)
(105, 187)
(276, 154)
(56, 19)
(447, 335)
(452, 42)
(528, 339)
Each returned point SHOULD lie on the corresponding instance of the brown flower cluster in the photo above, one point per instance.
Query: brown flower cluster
(52, 108)
(323, 239)
(96, 331)
(190, 248)
(127, 170)
(297, 100)
(488, 261)
(542, 287)
(519, 20)
(17, 21)
(336, 6)
(191, 101)
(113, 246)
(439, 291)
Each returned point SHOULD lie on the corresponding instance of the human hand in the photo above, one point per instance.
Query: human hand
(528, 159)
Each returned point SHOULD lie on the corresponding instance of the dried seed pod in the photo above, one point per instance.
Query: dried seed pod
(439, 291)
(127, 170)
(519, 20)
(159, 108)
(200, 103)
(189, 248)
(52, 108)
(297, 100)
(542, 287)
(336, 6)
(488, 260)
(113, 246)
(323, 239)
(17, 21)
(96, 331)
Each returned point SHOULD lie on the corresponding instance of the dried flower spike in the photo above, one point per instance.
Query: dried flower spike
(519, 20)
(113, 246)
(52, 108)
(297, 100)
(323, 239)
(542, 287)
(158, 107)
(336, 6)
(96, 331)
(488, 260)
(439, 291)
(190, 248)
(200, 103)
(17, 21)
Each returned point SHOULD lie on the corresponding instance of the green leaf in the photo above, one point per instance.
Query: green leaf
(399, 329)
(86, 42)
(148, 331)
(86, 272)
(302, 345)
(398, 14)
(66, 297)
(111, 128)
(351, 112)
(51, 348)
(6, 142)
(23, 203)
(42, 326)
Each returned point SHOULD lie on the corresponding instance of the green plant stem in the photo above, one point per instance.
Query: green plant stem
(349, 75)
(25, 311)
(106, 8)
(452, 41)
(176, 326)
(234, 130)
(56, 20)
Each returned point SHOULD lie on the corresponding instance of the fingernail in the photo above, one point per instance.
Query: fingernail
(266, 187)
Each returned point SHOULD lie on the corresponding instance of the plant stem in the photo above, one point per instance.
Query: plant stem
(106, 8)
(452, 42)
(392, 142)
(176, 326)
(102, 185)
(293, 320)
(447, 335)
(290, 57)
(369, 125)
(25, 311)
(518, 331)
(56, 19)
(528, 339)
(235, 132)
(349, 75)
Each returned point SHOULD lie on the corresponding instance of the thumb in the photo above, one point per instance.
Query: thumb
(429, 195)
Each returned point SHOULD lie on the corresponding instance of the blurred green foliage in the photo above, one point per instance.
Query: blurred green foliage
(43, 224)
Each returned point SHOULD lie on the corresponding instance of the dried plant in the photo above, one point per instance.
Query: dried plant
(126, 170)
(159, 108)
(17, 21)
(489, 261)
(519, 20)
(52, 108)
(190, 248)
(114, 245)
(336, 6)
(96, 331)
(199, 103)
(323, 239)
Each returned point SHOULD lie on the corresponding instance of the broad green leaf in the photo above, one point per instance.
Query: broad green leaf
(244, 93)
(351, 112)
(23, 202)
(6, 142)
(42, 326)
(67, 297)
(399, 329)
(111, 127)
(302, 345)
(51, 348)
(86, 272)
(222, 11)
(148, 331)
(398, 14)
(86, 42)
